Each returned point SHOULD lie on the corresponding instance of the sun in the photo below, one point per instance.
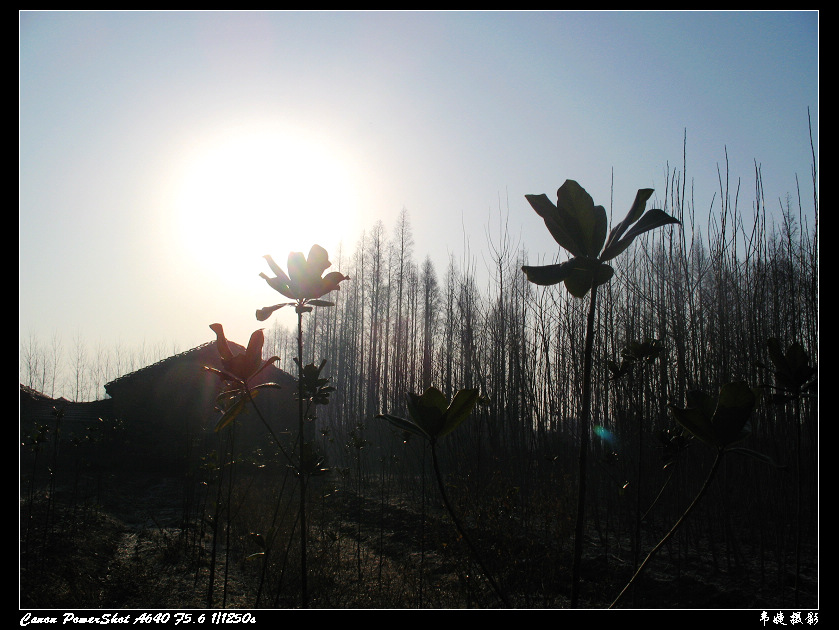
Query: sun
(241, 194)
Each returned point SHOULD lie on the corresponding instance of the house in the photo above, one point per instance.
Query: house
(162, 417)
(168, 408)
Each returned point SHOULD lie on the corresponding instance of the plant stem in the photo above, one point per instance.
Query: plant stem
(681, 520)
(585, 421)
(460, 528)
(303, 571)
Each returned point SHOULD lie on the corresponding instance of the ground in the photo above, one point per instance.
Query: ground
(131, 551)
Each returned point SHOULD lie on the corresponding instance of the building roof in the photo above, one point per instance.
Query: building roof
(205, 354)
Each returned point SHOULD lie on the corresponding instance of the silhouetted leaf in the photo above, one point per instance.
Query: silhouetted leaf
(264, 313)
(576, 206)
(754, 454)
(651, 220)
(403, 424)
(584, 276)
(463, 403)
(734, 406)
(721, 420)
(231, 413)
(564, 231)
(635, 212)
(547, 275)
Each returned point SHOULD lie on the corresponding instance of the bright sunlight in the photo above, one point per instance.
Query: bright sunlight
(244, 194)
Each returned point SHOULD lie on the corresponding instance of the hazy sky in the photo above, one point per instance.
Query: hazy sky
(162, 154)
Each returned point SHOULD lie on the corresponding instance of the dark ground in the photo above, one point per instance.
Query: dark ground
(129, 551)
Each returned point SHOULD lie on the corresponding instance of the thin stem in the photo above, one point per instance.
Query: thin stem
(265, 422)
(303, 571)
(585, 421)
(460, 528)
(681, 520)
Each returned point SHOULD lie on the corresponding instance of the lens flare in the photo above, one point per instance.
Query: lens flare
(604, 434)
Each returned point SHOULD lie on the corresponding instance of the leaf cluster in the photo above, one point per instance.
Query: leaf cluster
(432, 415)
(304, 283)
(792, 370)
(580, 227)
(719, 420)
(634, 352)
(233, 400)
(314, 388)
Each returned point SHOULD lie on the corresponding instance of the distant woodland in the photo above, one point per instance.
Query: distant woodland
(711, 292)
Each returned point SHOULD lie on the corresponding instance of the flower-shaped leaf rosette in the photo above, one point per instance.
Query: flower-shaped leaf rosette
(237, 371)
(793, 373)
(304, 283)
(579, 226)
(432, 415)
(718, 421)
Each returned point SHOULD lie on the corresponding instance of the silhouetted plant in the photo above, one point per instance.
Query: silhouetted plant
(635, 353)
(237, 372)
(432, 416)
(719, 421)
(579, 226)
(304, 284)
(794, 379)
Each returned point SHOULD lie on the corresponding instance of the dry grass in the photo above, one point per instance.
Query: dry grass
(365, 551)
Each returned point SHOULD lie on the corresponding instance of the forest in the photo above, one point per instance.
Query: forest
(490, 514)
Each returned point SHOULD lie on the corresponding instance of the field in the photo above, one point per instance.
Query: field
(386, 543)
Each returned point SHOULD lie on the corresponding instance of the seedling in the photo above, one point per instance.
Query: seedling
(432, 416)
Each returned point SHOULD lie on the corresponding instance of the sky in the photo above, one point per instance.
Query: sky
(163, 154)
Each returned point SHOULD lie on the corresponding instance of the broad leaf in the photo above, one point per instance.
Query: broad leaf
(231, 413)
(651, 220)
(692, 419)
(635, 212)
(404, 425)
(583, 277)
(427, 410)
(719, 421)
(564, 231)
(576, 206)
(264, 313)
(792, 369)
(462, 405)
(547, 275)
(734, 406)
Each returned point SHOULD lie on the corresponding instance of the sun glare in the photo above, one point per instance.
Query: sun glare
(244, 195)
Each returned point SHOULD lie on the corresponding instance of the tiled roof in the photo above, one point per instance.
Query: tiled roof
(202, 349)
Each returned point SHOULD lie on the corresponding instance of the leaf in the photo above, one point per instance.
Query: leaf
(755, 454)
(230, 415)
(564, 232)
(256, 389)
(792, 369)
(577, 274)
(718, 421)
(734, 406)
(427, 410)
(547, 275)
(264, 313)
(651, 220)
(635, 212)
(403, 425)
(577, 209)
(581, 279)
(462, 405)
(320, 303)
(692, 419)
